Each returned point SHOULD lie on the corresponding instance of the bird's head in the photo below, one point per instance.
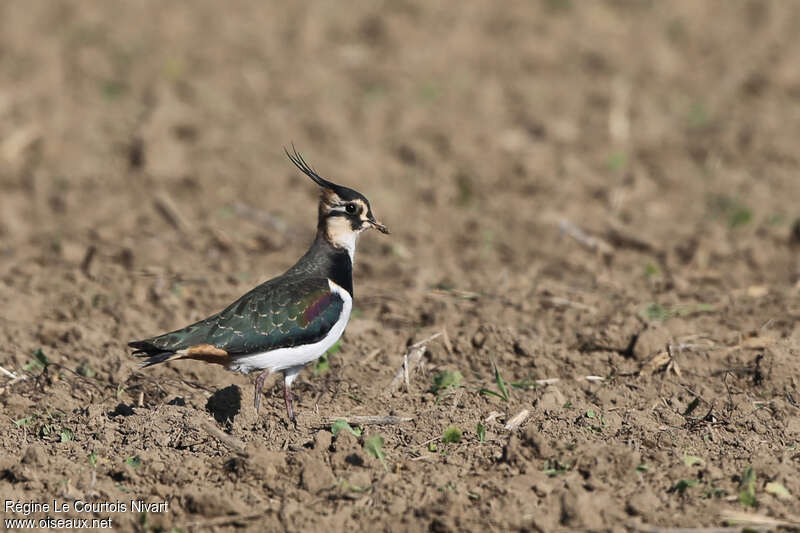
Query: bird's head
(343, 212)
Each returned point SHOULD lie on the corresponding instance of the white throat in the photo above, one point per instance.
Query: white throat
(341, 235)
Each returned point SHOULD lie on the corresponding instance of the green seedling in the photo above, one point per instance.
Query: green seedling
(681, 486)
(341, 424)
(735, 213)
(25, 422)
(67, 435)
(85, 370)
(48, 429)
(642, 468)
(93, 459)
(699, 116)
(747, 488)
(617, 161)
(373, 446)
(347, 486)
(480, 430)
(657, 312)
(594, 416)
(451, 435)
(501, 385)
(446, 380)
(651, 270)
(39, 362)
(554, 467)
(322, 364)
(525, 384)
(134, 461)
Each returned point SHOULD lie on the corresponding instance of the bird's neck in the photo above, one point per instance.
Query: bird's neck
(338, 232)
(324, 259)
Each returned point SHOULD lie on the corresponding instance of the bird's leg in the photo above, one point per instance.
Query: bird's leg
(288, 377)
(287, 396)
(259, 384)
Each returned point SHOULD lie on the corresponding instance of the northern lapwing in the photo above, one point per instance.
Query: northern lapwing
(291, 320)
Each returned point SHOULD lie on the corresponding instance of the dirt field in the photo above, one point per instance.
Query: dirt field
(574, 189)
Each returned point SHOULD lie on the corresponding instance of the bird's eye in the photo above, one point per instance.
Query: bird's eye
(350, 208)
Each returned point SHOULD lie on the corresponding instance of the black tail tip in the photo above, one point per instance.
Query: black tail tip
(154, 359)
(153, 354)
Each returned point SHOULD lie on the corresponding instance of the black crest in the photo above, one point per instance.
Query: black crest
(345, 193)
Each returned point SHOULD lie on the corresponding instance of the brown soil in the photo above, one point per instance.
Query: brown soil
(574, 189)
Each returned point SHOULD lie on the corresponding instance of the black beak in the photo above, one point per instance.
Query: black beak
(378, 226)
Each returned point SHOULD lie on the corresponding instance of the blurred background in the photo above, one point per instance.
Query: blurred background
(574, 173)
(473, 131)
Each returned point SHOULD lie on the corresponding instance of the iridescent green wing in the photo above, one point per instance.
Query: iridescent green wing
(278, 314)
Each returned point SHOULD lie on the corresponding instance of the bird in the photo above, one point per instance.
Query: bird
(291, 320)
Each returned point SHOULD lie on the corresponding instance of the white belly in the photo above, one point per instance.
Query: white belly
(297, 356)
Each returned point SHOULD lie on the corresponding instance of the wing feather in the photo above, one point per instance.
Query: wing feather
(280, 313)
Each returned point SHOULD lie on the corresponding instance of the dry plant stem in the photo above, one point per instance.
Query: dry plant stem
(8, 373)
(8, 385)
(423, 342)
(645, 528)
(592, 243)
(411, 360)
(231, 442)
(564, 302)
(517, 420)
(376, 420)
(446, 341)
(752, 520)
(551, 381)
(371, 355)
(167, 209)
(224, 520)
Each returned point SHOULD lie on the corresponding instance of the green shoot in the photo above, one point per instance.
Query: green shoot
(67, 435)
(747, 488)
(341, 424)
(451, 435)
(85, 370)
(321, 365)
(39, 361)
(25, 422)
(554, 467)
(373, 445)
(681, 486)
(446, 380)
(501, 385)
